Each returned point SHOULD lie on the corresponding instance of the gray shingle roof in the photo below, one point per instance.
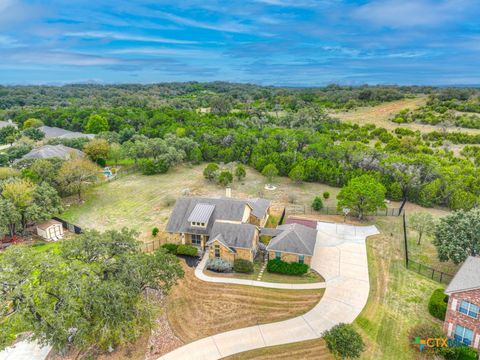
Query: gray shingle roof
(53, 151)
(225, 209)
(233, 235)
(7, 123)
(294, 238)
(467, 277)
(259, 207)
(201, 213)
(54, 132)
(270, 231)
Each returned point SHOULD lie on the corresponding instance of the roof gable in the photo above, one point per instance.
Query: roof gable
(467, 277)
(294, 238)
(234, 235)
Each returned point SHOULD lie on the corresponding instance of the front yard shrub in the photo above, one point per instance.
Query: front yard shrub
(344, 341)
(437, 306)
(155, 231)
(317, 204)
(219, 265)
(188, 250)
(171, 248)
(282, 267)
(425, 331)
(458, 353)
(326, 195)
(243, 266)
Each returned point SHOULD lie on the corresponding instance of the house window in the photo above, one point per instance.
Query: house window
(196, 239)
(463, 335)
(278, 255)
(301, 259)
(217, 251)
(469, 309)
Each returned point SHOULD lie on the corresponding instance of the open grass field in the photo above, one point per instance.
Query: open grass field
(380, 116)
(142, 202)
(198, 309)
(311, 350)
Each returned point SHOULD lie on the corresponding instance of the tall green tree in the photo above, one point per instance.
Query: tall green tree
(423, 223)
(90, 294)
(297, 174)
(344, 342)
(96, 124)
(270, 171)
(76, 174)
(362, 195)
(457, 235)
(240, 172)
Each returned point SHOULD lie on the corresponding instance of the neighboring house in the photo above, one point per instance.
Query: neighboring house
(228, 227)
(58, 133)
(462, 321)
(53, 151)
(293, 243)
(51, 230)
(8, 123)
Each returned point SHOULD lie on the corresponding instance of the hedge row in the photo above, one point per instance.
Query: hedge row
(437, 305)
(282, 267)
(176, 249)
(243, 266)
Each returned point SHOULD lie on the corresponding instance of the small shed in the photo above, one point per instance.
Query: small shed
(51, 230)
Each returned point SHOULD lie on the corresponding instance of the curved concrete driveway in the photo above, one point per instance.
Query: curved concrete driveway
(217, 279)
(341, 257)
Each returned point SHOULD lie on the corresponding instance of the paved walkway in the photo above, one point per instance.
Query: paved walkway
(341, 258)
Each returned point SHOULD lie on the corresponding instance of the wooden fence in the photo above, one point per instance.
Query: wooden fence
(151, 246)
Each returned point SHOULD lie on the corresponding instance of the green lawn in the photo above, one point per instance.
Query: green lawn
(398, 297)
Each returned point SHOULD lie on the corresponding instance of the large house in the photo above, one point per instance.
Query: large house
(53, 151)
(58, 133)
(462, 321)
(228, 227)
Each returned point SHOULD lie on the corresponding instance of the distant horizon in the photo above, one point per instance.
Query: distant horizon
(46, 84)
(302, 43)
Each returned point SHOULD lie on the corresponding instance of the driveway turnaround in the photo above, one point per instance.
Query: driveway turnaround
(340, 256)
(217, 279)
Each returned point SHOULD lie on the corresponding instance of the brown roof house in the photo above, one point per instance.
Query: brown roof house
(462, 321)
(227, 228)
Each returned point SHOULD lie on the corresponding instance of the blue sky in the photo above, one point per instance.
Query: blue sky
(277, 42)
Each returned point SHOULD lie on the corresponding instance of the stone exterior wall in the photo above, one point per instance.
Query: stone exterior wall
(245, 254)
(188, 240)
(289, 257)
(225, 253)
(455, 317)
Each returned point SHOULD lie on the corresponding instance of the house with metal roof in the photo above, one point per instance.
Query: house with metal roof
(462, 320)
(227, 227)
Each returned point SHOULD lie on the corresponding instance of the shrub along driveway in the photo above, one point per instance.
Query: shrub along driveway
(341, 258)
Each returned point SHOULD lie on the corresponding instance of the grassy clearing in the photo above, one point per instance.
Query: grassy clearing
(380, 116)
(142, 202)
(313, 349)
(398, 297)
(197, 309)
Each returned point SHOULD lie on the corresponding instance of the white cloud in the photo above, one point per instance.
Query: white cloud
(408, 13)
(126, 37)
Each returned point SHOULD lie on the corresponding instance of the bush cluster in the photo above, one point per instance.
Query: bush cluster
(437, 305)
(243, 266)
(282, 267)
(171, 248)
(219, 265)
(458, 353)
(188, 250)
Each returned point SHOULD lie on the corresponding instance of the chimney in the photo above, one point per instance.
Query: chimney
(228, 192)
